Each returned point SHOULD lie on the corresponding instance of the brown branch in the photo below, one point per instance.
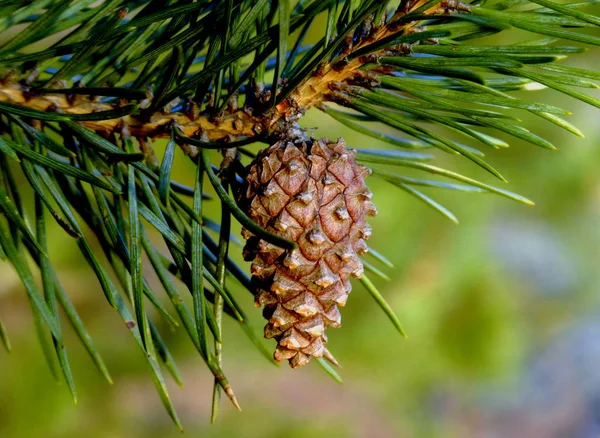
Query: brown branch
(237, 123)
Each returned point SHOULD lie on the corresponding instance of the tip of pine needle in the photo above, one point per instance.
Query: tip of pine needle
(327, 355)
(106, 375)
(330, 370)
(232, 397)
(236, 404)
(214, 416)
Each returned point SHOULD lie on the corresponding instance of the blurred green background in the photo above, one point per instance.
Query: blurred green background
(502, 314)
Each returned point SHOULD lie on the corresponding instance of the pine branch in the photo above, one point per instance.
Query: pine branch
(312, 91)
(83, 111)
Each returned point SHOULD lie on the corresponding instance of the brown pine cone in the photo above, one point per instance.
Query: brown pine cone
(314, 194)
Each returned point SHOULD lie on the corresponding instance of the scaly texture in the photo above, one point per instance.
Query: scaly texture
(313, 193)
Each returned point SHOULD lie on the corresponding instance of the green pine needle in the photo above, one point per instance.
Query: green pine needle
(330, 370)
(4, 337)
(382, 303)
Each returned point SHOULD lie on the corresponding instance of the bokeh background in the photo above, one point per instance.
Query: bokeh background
(502, 314)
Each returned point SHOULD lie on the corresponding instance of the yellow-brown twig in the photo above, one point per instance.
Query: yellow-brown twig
(239, 123)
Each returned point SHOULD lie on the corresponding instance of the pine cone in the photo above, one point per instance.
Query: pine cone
(314, 194)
